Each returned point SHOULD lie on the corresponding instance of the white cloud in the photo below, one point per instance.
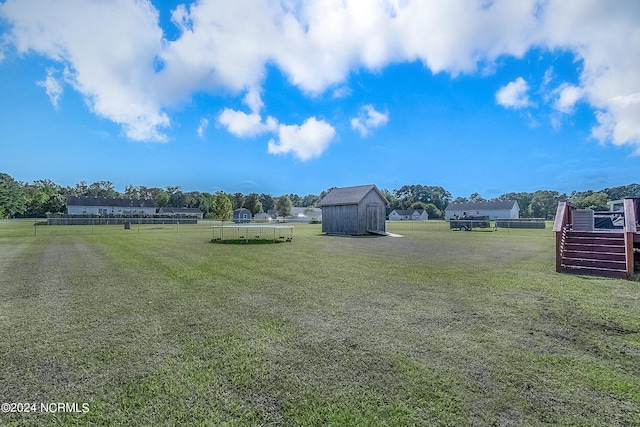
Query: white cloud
(306, 141)
(627, 100)
(109, 50)
(204, 123)
(514, 94)
(567, 96)
(52, 87)
(245, 125)
(130, 74)
(341, 92)
(253, 100)
(368, 119)
(602, 36)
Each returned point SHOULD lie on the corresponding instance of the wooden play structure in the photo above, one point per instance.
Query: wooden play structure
(602, 244)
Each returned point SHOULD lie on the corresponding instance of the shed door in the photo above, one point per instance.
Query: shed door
(372, 217)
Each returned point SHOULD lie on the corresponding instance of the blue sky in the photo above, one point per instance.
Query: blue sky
(297, 97)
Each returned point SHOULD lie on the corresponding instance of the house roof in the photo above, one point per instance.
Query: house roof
(349, 195)
(486, 206)
(109, 201)
(404, 212)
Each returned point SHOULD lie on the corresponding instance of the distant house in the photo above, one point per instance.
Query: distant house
(242, 215)
(306, 214)
(181, 212)
(353, 210)
(408, 215)
(87, 205)
(495, 209)
(261, 217)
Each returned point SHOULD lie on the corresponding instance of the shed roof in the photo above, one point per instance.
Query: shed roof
(349, 195)
(109, 201)
(487, 206)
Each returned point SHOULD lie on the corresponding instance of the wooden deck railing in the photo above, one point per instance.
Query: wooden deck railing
(561, 224)
(630, 231)
(564, 222)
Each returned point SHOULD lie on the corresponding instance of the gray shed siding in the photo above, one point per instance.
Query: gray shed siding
(355, 218)
(340, 219)
(371, 213)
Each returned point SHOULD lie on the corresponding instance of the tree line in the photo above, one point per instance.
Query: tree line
(44, 197)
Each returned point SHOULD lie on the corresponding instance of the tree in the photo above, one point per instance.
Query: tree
(237, 200)
(267, 202)
(102, 189)
(295, 200)
(44, 197)
(80, 189)
(192, 199)
(431, 209)
(206, 204)
(222, 207)
(476, 197)
(617, 193)
(436, 195)
(283, 206)
(161, 199)
(595, 201)
(252, 202)
(12, 199)
(131, 192)
(309, 200)
(393, 202)
(523, 199)
(544, 203)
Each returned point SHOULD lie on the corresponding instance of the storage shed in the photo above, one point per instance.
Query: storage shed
(241, 215)
(354, 210)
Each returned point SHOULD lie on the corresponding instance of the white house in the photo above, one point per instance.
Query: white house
(261, 217)
(87, 205)
(306, 214)
(408, 215)
(495, 209)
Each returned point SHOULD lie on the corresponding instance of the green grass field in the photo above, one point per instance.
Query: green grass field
(158, 326)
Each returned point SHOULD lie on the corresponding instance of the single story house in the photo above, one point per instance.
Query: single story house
(306, 214)
(494, 209)
(408, 215)
(89, 205)
(242, 215)
(182, 212)
(261, 217)
(353, 210)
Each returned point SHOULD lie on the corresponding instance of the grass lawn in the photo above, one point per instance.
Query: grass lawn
(158, 326)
